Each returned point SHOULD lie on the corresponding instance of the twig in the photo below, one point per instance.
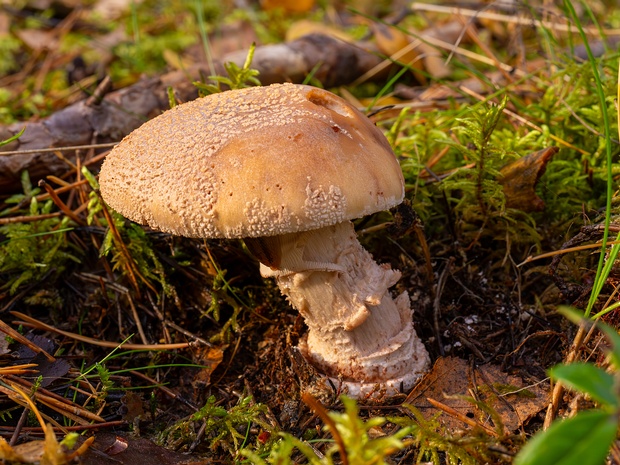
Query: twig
(136, 318)
(512, 19)
(187, 333)
(166, 390)
(28, 218)
(38, 429)
(558, 389)
(318, 408)
(60, 204)
(56, 402)
(56, 149)
(19, 426)
(33, 323)
(567, 250)
(132, 269)
(46, 196)
(459, 416)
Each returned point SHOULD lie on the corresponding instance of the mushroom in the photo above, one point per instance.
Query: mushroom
(285, 167)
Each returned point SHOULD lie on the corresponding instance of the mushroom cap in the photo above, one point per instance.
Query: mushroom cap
(255, 162)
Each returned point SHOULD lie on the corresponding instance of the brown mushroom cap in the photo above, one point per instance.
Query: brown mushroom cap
(255, 162)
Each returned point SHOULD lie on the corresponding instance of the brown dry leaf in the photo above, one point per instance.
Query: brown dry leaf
(5, 24)
(113, 9)
(382, 102)
(37, 39)
(110, 449)
(289, 6)
(176, 61)
(8, 454)
(451, 378)
(30, 452)
(399, 46)
(520, 177)
(133, 406)
(210, 357)
(49, 371)
(48, 451)
(304, 27)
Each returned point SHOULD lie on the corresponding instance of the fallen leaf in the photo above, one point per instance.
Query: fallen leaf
(113, 449)
(210, 357)
(520, 177)
(289, 6)
(400, 47)
(113, 9)
(304, 27)
(9, 454)
(133, 406)
(37, 39)
(452, 378)
(5, 24)
(49, 371)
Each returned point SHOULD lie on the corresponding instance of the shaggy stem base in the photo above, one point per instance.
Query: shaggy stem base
(357, 332)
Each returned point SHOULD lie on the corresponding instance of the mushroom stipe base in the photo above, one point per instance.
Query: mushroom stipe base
(357, 332)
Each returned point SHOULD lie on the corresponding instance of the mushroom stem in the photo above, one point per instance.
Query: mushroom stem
(356, 330)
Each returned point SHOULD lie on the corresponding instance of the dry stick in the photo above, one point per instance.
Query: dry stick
(547, 332)
(60, 204)
(28, 219)
(63, 158)
(58, 149)
(577, 248)
(128, 259)
(437, 306)
(317, 408)
(507, 18)
(387, 62)
(15, 391)
(83, 392)
(459, 416)
(55, 401)
(57, 180)
(19, 370)
(168, 323)
(19, 397)
(558, 389)
(473, 56)
(166, 390)
(34, 323)
(18, 428)
(435, 158)
(46, 196)
(136, 318)
(80, 450)
(426, 251)
(132, 266)
(581, 338)
(471, 31)
(38, 429)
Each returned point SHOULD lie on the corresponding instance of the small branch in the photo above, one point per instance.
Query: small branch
(34, 323)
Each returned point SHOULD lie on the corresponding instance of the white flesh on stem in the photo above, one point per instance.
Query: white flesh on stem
(357, 332)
